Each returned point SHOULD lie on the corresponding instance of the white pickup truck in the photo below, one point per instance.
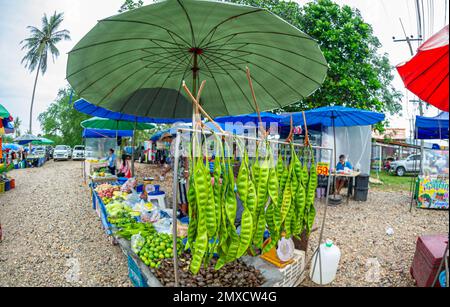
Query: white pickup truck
(62, 152)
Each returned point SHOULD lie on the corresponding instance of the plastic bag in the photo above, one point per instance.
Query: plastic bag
(137, 242)
(163, 226)
(129, 186)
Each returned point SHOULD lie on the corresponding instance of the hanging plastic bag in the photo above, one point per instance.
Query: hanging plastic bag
(163, 226)
(137, 242)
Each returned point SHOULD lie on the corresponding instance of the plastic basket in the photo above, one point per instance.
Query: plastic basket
(2, 187)
(12, 183)
(134, 273)
(292, 273)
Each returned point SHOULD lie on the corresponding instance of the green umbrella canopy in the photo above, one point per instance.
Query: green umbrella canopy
(132, 62)
(43, 141)
(109, 124)
(3, 112)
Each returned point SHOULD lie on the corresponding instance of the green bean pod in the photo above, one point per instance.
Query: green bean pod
(260, 228)
(200, 247)
(273, 242)
(287, 198)
(246, 234)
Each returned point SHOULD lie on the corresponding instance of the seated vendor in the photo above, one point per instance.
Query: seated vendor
(340, 167)
(125, 170)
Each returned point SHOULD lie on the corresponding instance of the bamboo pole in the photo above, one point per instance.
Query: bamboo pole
(252, 90)
(196, 104)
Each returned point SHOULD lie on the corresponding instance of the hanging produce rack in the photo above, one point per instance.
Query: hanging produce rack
(275, 143)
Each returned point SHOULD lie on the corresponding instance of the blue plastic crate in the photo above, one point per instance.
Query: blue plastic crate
(134, 273)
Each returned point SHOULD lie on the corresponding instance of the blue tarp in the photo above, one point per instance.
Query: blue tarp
(343, 117)
(86, 107)
(98, 133)
(266, 117)
(432, 128)
(14, 147)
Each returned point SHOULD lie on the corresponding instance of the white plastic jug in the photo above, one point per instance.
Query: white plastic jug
(328, 262)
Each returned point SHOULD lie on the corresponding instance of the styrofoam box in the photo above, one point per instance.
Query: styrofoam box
(292, 273)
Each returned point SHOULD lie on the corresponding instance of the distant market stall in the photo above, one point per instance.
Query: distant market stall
(432, 185)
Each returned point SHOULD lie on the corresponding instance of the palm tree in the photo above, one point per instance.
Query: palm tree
(17, 123)
(40, 43)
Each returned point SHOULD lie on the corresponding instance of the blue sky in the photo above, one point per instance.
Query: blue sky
(16, 83)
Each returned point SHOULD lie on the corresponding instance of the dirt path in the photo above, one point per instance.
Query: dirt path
(52, 237)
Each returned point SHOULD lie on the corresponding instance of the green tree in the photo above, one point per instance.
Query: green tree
(130, 5)
(358, 76)
(61, 122)
(41, 43)
(16, 124)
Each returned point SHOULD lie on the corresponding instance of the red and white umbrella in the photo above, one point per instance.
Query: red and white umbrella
(426, 74)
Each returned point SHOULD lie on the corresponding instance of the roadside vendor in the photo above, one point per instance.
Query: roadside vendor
(125, 170)
(112, 162)
(342, 165)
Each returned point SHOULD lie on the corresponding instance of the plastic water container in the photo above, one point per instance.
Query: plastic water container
(328, 264)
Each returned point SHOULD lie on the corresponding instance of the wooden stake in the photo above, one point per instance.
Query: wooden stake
(196, 104)
(306, 143)
(291, 132)
(250, 82)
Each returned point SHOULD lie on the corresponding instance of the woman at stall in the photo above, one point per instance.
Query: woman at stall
(125, 169)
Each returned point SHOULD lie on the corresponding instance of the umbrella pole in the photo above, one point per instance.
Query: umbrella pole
(335, 157)
(132, 148)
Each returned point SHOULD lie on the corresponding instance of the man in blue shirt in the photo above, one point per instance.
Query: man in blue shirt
(112, 162)
(342, 164)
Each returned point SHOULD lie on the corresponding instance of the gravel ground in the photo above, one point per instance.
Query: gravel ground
(49, 226)
(369, 257)
(51, 232)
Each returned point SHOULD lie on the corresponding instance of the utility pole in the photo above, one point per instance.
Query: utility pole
(409, 39)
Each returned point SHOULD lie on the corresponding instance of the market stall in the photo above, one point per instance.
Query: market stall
(6, 162)
(97, 144)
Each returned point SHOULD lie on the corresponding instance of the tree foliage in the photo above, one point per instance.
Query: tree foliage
(358, 75)
(61, 122)
(130, 5)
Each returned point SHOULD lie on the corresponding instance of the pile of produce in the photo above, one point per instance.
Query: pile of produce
(278, 197)
(106, 191)
(158, 246)
(236, 274)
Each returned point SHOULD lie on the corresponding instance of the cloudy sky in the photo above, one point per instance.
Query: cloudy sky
(16, 83)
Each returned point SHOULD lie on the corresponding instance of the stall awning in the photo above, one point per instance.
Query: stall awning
(432, 128)
(98, 133)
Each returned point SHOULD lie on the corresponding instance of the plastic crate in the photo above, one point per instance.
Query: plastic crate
(13, 183)
(134, 273)
(292, 274)
(2, 187)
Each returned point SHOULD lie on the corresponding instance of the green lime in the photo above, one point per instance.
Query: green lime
(161, 256)
(169, 250)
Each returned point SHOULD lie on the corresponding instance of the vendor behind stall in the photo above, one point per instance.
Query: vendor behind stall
(125, 169)
(342, 166)
(112, 161)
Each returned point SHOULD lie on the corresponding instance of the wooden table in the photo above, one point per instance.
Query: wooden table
(351, 175)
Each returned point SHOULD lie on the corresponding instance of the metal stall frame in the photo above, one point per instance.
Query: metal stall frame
(175, 191)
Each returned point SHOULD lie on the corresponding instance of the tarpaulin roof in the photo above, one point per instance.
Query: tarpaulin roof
(432, 127)
(98, 133)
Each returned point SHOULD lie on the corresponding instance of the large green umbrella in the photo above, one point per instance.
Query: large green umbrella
(109, 124)
(127, 62)
(3, 112)
(43, 141)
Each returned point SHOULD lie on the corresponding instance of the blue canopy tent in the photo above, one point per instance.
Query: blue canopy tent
(432, 128)
(86, 107)
(266, 117)
(98, 133)
(13, 147)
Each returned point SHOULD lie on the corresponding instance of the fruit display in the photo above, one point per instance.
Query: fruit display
(106, 190)
(158, 246)
(278, 197)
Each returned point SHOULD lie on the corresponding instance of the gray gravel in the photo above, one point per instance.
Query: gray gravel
(52, 237)
(370, 257)
(48, 224)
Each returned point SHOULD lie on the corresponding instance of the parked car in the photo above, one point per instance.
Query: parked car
(62, 152)
(78, 153)
(409, 165)
(40, 150)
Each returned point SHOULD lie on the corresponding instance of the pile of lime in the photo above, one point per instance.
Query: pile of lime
(158, 246)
